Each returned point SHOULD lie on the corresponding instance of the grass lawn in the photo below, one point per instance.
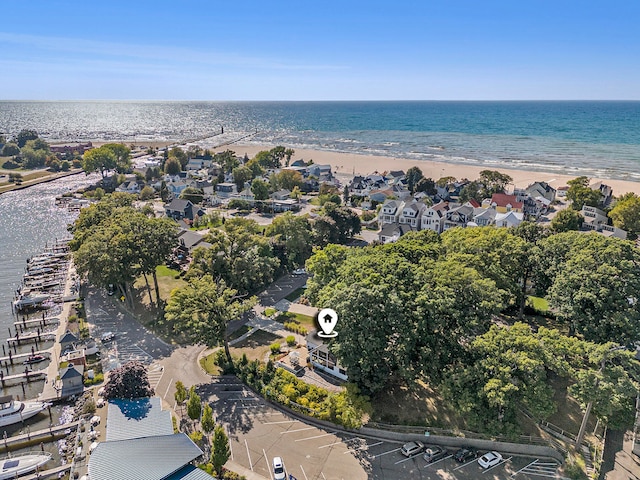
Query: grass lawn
(305, 320)
(296, 294)
(256, 346)
(208, 365)
(269, 311)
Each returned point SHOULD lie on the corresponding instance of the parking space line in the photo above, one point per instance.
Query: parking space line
(526, 466)
(331, 444)
(465, 464)
(325, 478)
(267, 461)
(437, 461)
(283, 421)
(298, 430)
(168, 387)
(505, 460)
(228, 436)
(248, 454)
(363, 447)
(386, 453)
(305, 475)
(406, 459)
(317, 436)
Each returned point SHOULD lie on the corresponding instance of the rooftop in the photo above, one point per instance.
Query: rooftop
(130, 419)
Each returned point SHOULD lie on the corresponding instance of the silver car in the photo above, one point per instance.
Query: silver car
(412, 448)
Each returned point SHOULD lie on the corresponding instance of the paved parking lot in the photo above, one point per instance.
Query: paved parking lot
(258, 432)
(281, 288)
(132, 341)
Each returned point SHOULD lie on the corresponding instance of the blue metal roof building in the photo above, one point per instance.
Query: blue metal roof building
(141, 445)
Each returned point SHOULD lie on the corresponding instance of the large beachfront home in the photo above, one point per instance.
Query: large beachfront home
(503, 203)
(390, 212)
(605, 190)
(483, 217)
(412, 213)
(594, 218)
(433, 217)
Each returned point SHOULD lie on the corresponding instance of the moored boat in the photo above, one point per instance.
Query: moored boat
(12, 467)
(14, 411)
(34, 359)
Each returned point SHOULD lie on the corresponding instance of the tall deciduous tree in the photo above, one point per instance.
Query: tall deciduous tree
(202, 309)
(207, 418)
(99, 160)
(194, 405)
(122, 155)
(260, 189)
(566, 220)
(294, 233)
(579, 194)
(414, 175)
(626, 214)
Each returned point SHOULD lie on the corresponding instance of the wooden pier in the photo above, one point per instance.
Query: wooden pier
(19, 356)
(30, 337)
(30, 376)
(31, 438)
(38, 322)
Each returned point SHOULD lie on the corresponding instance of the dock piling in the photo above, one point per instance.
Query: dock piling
(10, 358)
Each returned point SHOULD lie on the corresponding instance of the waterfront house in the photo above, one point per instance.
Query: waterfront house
(433, 217)
(321, 172)
(594, 218)
(68, 341)
(605, 190)
(503, 203)
(542, 189)
(71, 380)
(380, 196)
(484, 216)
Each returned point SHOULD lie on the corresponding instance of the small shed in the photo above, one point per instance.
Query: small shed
(68, 340)
(71, 378)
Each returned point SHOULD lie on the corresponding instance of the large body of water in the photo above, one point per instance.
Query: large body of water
(595, 138)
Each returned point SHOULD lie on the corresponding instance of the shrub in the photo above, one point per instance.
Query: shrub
(196, 437)
(10, 165)
(97, 378)
(295, 328)
(291, 340)
(275, 348)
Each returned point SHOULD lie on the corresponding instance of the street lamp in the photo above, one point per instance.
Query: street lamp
(587, 412)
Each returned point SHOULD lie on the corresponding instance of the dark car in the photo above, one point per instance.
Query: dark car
(465, 454)
(434, 453)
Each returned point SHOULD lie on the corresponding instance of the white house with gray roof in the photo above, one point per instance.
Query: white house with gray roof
(390, 212)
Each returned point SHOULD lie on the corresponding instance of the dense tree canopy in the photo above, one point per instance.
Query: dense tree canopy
(626, 214)
(579, 194)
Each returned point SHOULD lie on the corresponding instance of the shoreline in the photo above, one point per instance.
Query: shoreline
(345, 165)
(36, 181)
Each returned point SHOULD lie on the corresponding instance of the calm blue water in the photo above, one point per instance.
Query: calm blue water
(596, 138)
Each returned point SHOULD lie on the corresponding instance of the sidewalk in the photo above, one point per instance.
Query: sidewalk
(236, 467)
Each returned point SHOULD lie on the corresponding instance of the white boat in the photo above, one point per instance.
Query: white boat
(34, 299)
(14, 411)
(12, 467)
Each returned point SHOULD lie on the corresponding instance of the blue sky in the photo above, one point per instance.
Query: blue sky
(321, 50)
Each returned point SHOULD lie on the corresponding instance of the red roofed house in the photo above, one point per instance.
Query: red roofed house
(504, 203)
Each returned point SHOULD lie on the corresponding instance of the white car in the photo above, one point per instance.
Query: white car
(412, 448)
(278, 469)
(299, 271)
(490, 459)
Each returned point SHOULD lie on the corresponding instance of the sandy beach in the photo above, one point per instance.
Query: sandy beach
(346, 164)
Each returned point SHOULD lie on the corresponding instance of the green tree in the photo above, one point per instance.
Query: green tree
(227, 160)
(288, 153)
(202, 309)
(241, 175)
(294, 234)
(414, 175)
(260, 189)
(172, 166)
(579, 193)
(181, 393)
(122, 155)
(596, 290)
(285, 179)
(193, 194)
(221, 451)
(471, 191)
(99, 160)
(180, 155)
(65, 166)
(493, 182)
(194, 405)
(164, 192)
(10, 149)
(626, 214)
(147, 193)
(426, 185)
(207, 418)
(566, 220)
(33, 158)
(24, 136)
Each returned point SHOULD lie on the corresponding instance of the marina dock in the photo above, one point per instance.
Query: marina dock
(38, 322)
(9, 380)
(20, 356)
(31, 438)
(53, 472)
(31, 337)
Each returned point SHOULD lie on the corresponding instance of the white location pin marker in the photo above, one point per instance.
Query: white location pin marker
(327, 320)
